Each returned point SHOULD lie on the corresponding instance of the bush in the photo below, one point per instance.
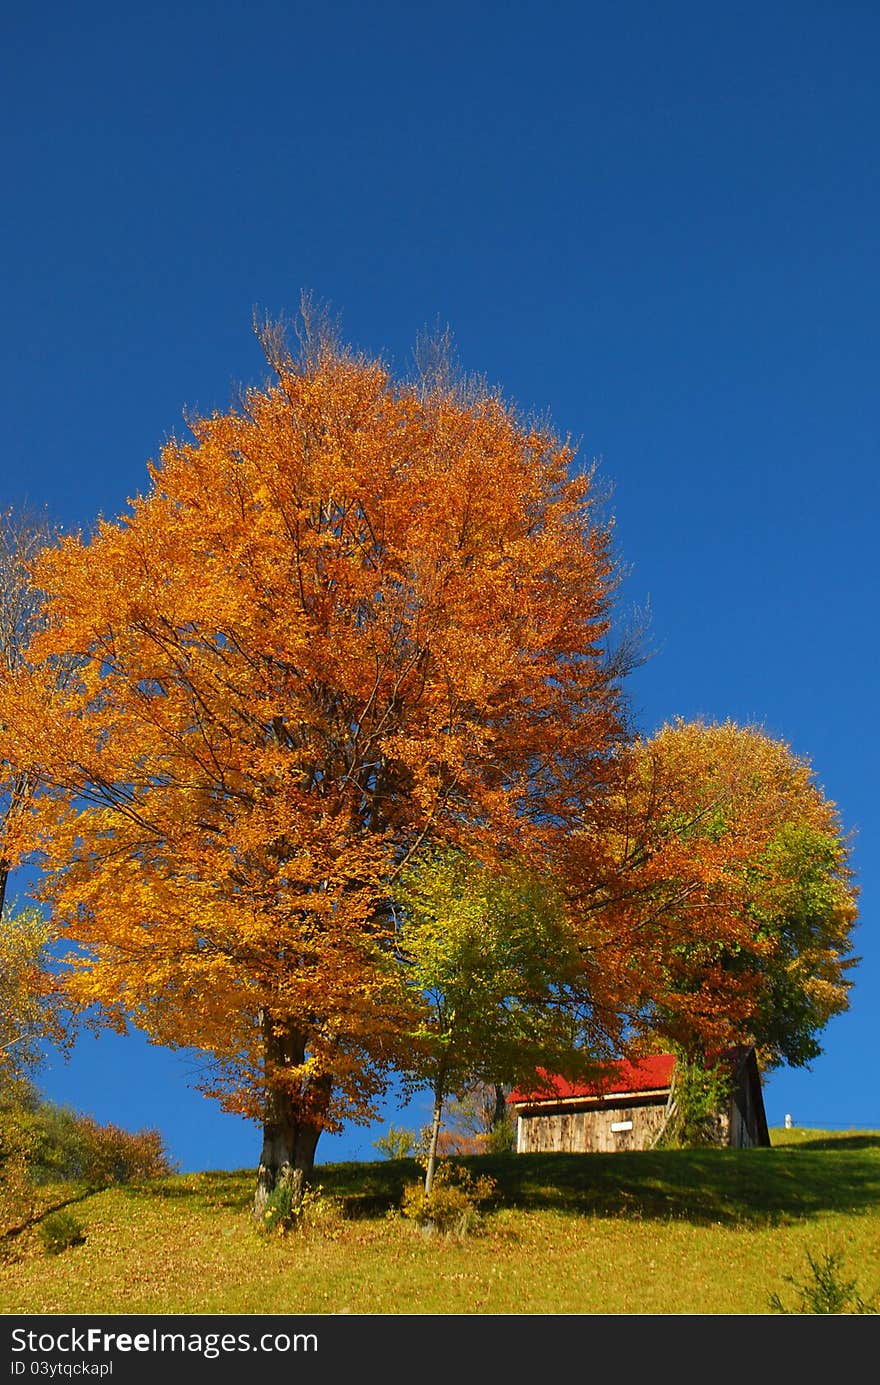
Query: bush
(501, 1138)
(106, 1154)
(453, 1205)
(319, 1212)
(315, 1211)
(60, 1146)
(59, 1230)
(700, 1096)
(824, 1291)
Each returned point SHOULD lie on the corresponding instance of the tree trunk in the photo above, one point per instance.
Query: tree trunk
(435, 1135)
(17, 798)
(499, 1114)
(292, 1122)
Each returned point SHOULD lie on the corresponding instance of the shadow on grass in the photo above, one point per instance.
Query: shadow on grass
(721, 1186)
(364, 1190)
(700, 1186)
(854, 1141)
(220, 1189)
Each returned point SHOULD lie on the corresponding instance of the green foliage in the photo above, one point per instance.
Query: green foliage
(494, 961)
(281, 1212)
(27, 1013)
(501, 1137)
(699, 1100)
(60, 1230)
(397, 1143)
(824, 1290)
(496, 964)
(454, 1204)
(803, 904)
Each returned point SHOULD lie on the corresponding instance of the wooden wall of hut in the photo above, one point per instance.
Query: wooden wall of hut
(588, 1131)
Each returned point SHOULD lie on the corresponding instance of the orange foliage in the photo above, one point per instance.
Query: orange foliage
(347, 616)
(720, 893)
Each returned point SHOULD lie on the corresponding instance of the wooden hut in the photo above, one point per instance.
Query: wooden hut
(627, 1108)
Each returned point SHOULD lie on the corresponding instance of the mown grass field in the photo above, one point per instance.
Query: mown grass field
(710, 1232)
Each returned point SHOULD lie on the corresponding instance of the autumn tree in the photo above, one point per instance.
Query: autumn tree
(346, 617)
(479, 1120)
(492, 955)
(727, 894)
(27, 1015)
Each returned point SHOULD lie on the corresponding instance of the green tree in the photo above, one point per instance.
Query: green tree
(701, 1090)
(27, 1014)
(497, 965)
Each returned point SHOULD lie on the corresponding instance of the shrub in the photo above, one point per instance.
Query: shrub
(501, 1138)
(319, 1212)
(315, 1211)
(453, 1205)
(824, 1291)
(59, 1230)
(59, 1146)
(108, 1154)
(700, 1096)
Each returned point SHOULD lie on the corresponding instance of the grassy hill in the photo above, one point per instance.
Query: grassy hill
(683, 1231)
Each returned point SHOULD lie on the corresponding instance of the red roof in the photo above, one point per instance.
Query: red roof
(652, 1073)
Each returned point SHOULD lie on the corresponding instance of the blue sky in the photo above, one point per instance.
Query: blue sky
(657, 223)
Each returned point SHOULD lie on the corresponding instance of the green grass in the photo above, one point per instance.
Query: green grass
(683, 1231)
